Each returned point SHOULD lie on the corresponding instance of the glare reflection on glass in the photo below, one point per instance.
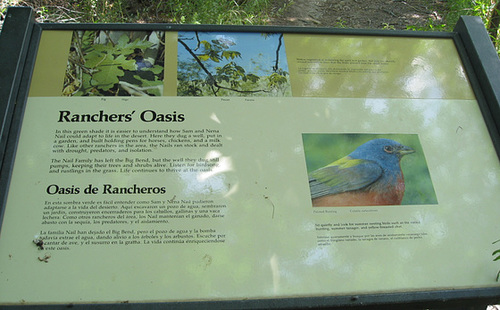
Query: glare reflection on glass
(318, 255)
(422, 78)
(232, 189)
(377, 106)
(317, 83)
(215, 118)
(210, 186)
(208, 182)
(430, 112)
(461, 73)
(224, 164)
(298, 149)
(492, 178)
(275, 272)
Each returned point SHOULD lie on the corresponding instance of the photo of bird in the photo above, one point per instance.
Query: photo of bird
(370, 175)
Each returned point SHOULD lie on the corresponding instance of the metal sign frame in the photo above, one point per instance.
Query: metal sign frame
(19, 40)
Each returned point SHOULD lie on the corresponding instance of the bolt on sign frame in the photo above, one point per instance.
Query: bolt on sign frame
(157, 165)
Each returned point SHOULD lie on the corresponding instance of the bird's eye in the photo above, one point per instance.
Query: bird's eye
(388, 149)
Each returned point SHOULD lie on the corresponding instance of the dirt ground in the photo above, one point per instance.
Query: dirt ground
(366, 14)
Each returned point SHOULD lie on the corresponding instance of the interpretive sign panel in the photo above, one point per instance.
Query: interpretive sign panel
(162, 166)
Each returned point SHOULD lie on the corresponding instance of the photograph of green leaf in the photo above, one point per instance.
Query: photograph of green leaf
(115, 63)
(367, 170)
(232, 64)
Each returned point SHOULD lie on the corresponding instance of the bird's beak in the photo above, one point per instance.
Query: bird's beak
(404, 150)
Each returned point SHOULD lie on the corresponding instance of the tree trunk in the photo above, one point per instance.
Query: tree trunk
(494, 23)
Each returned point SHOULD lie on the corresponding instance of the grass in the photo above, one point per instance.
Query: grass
(139, 11)
(228, 12)
(488, 10)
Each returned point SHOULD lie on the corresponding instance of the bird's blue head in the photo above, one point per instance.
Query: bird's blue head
(385, 152)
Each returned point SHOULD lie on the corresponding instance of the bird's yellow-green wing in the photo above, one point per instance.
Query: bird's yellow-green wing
(345, 174)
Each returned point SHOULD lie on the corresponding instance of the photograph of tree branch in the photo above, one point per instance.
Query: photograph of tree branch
(232, 64)
(115, 63)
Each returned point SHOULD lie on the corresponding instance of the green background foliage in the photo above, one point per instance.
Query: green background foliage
(237, 12)
(96, 69)
(488, 10)
(323, 149)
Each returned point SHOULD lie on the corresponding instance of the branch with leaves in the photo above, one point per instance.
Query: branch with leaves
(230, 73)
(231, 76)
(101, 69)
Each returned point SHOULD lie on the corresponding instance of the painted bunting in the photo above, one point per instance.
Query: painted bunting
(370, 175)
